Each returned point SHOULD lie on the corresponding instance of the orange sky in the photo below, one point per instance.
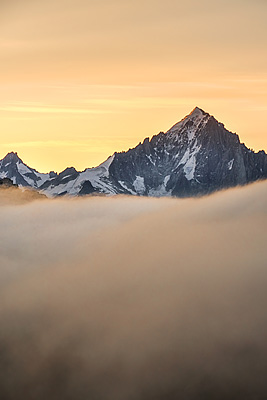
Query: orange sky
(80, 79)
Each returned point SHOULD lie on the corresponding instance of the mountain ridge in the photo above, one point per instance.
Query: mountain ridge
(196, 156)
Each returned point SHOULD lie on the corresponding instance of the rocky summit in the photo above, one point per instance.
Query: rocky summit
(197, 156)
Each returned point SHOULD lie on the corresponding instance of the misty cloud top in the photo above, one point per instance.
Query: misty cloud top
(134, 298)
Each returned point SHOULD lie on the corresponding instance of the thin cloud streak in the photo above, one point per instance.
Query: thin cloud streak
(51, 110)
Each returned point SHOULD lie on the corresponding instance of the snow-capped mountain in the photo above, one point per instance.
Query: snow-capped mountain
(12, 167)
(196, 156)
(90, 180)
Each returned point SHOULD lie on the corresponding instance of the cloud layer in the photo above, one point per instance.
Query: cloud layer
(134, 298)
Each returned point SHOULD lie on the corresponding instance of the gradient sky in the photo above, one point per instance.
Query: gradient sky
(80, 79)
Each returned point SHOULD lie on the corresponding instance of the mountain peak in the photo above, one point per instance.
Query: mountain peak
(11, 157)
(195, 117)
(197, 112)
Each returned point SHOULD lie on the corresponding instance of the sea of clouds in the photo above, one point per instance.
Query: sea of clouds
(132, 298)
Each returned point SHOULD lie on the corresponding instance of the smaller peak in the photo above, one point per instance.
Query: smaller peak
(52, 174)
(12, 154)
(68, 170)
(11, 157)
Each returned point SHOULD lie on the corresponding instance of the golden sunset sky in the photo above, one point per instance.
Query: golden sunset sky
(80, 79)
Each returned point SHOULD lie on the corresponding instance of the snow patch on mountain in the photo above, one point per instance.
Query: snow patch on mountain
(150, 159)
(230, 164)
(124, 186)
(189, 168)
(189, 161)
(139, 184)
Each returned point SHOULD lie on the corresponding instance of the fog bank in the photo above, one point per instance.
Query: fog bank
(134, 298)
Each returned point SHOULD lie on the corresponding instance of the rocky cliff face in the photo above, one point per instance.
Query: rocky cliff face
(196, 156)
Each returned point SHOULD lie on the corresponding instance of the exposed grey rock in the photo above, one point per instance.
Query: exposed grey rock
(12, 167)
(196, 156)
(87, 188)
(63, 178)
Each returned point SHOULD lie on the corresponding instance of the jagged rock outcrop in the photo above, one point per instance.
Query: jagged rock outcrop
(6, 183)
(12, 167)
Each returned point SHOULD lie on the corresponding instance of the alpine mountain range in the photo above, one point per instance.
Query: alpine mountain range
(197, 156)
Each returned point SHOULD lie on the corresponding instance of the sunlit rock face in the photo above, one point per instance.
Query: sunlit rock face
(195, 157)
